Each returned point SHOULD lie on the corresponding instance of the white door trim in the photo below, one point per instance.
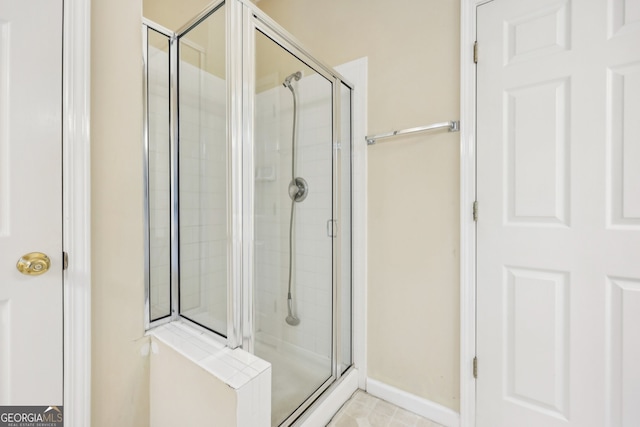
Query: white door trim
(467, 224)
(77, 212)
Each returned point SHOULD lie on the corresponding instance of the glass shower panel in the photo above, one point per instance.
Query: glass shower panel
(293, 207)
(203, 173)
(158, 175)
(344, 226)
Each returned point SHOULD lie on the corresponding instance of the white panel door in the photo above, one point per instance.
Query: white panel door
(30, 201)
(558, 187)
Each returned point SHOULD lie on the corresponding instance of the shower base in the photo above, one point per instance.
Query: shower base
(295, 375)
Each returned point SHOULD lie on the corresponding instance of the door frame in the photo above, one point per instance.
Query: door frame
(76, 209)
(468, 10)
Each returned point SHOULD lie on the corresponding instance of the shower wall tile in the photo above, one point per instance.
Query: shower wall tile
(203, 231)
(203, 226)
(313, 247)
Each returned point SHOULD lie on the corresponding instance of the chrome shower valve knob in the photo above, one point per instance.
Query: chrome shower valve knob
(298, 189)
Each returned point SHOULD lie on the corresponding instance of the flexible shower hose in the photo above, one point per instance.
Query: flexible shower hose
(293, 204)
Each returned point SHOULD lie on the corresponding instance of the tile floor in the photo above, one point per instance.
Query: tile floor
(365, 410)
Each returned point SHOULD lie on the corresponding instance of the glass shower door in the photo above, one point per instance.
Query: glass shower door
(203, 170)
(293, 244)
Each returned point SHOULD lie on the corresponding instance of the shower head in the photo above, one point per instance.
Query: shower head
(295, 76)
(291, 318)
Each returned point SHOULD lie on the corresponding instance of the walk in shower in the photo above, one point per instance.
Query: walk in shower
(249, 161)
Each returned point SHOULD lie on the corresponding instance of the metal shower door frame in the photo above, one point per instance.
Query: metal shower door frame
(243, 86)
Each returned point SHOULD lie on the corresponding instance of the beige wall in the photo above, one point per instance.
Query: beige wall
(413, 289)
(173, 14)
(184, 394)
(120, 374)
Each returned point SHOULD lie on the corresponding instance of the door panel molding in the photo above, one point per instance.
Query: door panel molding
(622, 307)
(623, 179)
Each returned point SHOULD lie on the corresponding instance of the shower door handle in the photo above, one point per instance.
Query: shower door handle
(332, 228)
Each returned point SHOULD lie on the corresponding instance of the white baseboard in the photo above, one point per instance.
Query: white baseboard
(423, 407)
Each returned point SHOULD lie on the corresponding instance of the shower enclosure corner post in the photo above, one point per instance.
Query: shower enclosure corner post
(238, 279)
(174, 186)
(145, 139)
(335, 213)
(247, 81)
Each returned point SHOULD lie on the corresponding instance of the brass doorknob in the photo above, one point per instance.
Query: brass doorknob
(33, 264)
